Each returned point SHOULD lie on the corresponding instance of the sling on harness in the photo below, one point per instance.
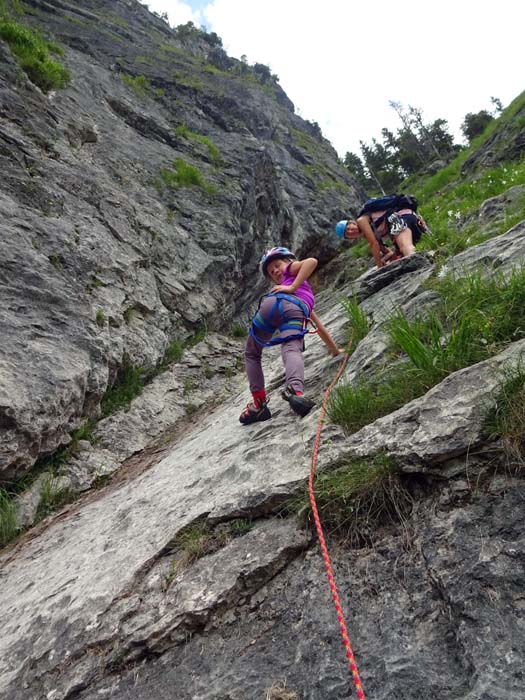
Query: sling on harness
(392, 253)
(289, 324)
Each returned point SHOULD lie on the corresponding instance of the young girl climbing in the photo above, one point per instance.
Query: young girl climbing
(285, 308)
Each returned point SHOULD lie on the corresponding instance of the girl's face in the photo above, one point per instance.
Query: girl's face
(276, 269)
(352, 230)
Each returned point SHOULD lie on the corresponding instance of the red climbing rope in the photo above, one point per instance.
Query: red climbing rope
(331, 580)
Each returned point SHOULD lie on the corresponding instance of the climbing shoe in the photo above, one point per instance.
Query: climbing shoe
(299, 403)
(254, 412)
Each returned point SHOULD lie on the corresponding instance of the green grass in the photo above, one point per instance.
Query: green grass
(128, 386)
(84, 432)
(358, 322)
(498, 299)
(360, 249)
(189, 386)
(174, 353)
(215, 155)
(435, 352)
(450, 199)
(129, 314)
(305, 141)
(9, 526)
(199, 539)
(356, 499)
(354, 406)
(199, 335)
(477, 318)
(506, 419)
(132, 379)
(446, 210)
(184, 175)
(33, 55)
(239, 331)
(139, 84)
(52, 496)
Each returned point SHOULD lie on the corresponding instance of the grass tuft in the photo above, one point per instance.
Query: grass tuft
(128, 386)
(354, 406)
(9, 525)
(184, 175)
(239, 331)
(506, 420)
(215, 155)
(53, 496)
(356, 499)
(199, 539)
(33, 54)
(139, 84)
(279, 691)
(358, 322)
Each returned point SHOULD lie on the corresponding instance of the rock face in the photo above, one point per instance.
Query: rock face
(102, 601)
(104, 262)
(184, 573)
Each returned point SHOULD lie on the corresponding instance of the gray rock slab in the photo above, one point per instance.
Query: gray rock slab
(376, 279)
(437, 615)
(501, 252)
(74, 571)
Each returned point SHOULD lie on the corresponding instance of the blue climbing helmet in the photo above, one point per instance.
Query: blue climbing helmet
(278, 253)
(340, 228)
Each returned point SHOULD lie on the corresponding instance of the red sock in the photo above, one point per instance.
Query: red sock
(259, 395)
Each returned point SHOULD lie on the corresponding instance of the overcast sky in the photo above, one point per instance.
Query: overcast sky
(341, 62)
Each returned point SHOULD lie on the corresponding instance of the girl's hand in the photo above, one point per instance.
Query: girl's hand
(284, 288)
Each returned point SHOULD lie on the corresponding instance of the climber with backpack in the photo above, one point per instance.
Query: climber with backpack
(287, 308)
(391, 217)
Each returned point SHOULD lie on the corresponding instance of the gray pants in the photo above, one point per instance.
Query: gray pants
(291, 351)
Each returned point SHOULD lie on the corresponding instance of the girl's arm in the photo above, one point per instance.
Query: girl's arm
(325, 336)
(302, 269)
(367, 231)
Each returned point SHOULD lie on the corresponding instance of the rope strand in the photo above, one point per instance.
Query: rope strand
(324, 549)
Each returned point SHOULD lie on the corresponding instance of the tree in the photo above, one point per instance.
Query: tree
(424, 134)
(496, 103)
(374, 157)
(409, 151)
(475, 124)
(263, 72)
(441, 137)
(355, 166)
(409, 155)
(408, 125)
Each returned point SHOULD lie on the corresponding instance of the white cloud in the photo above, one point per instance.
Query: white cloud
(178, 12)
(341, 62)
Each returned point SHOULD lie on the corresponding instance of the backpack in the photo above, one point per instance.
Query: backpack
(391, 202)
